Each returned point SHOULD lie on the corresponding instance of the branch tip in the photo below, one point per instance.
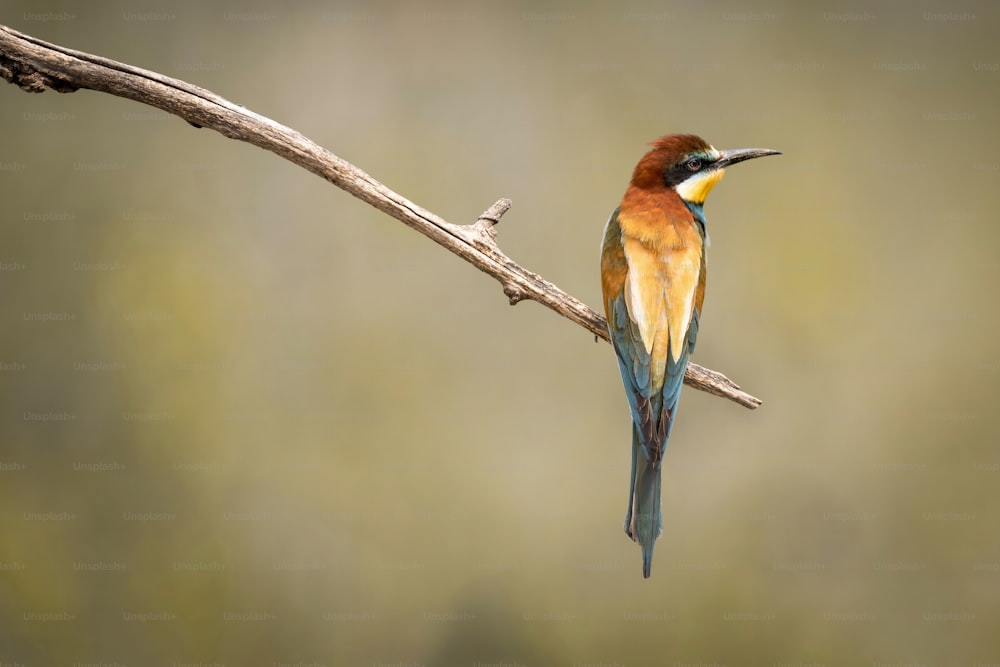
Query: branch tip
(495, 212)
(485, 225)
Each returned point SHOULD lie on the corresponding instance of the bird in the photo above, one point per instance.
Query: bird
(653, 284)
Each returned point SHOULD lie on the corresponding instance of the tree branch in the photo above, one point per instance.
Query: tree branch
(35, 65)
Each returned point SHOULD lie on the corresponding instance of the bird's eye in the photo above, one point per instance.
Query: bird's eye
(694, 164)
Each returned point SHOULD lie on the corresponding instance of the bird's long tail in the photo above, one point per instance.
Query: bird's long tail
(644, 521)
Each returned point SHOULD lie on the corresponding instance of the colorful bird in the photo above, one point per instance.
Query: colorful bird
(653, 279)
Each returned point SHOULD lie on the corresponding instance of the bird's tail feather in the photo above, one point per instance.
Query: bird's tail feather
(644, 521)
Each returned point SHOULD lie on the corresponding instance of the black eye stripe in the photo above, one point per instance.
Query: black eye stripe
(684, 169)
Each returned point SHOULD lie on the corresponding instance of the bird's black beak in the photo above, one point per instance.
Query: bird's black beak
(740, 154)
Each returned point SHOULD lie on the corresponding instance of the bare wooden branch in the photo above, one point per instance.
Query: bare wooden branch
(35, 65)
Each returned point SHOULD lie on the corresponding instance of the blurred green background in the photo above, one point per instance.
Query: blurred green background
(248, 420)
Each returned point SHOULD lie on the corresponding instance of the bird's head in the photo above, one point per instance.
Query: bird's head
(688, 165)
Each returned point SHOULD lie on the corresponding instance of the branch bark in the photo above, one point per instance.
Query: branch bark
(35, 65)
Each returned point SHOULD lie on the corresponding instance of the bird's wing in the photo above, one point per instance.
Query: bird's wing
(634, 360)
(653, 304)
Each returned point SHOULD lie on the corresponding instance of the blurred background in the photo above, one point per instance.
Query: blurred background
(248, 420)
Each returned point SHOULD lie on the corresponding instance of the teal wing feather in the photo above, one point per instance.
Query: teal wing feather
(634, 363)
(674, 377)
